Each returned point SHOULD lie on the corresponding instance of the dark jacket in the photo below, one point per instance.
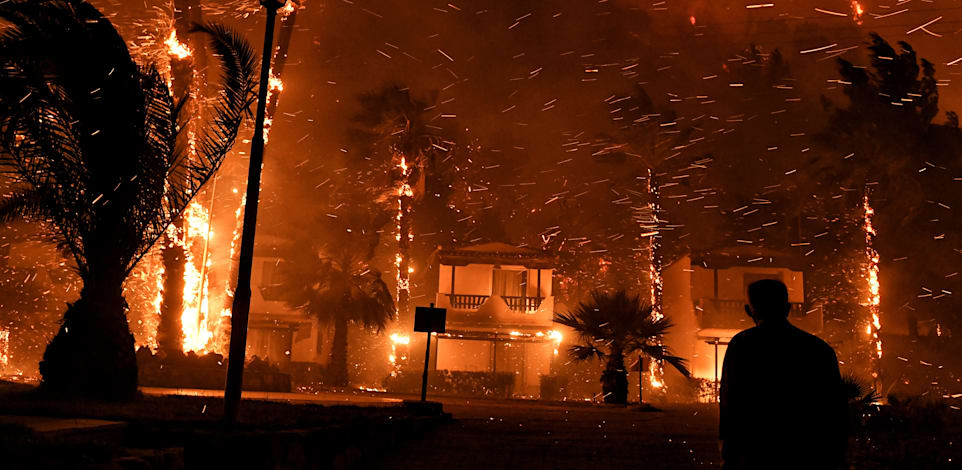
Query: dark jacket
(782, 402)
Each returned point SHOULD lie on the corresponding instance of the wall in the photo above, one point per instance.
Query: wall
(473, 356)
(473, 279)
(678, 307)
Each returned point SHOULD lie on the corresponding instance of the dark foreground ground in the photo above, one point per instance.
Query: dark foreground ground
(533, 436)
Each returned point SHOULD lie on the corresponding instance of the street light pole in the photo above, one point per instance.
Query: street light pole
(240, 310)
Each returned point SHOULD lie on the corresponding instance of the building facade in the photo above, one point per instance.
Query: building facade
(499, 313)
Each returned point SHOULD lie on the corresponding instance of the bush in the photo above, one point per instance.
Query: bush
(208, 371)
(554, 387)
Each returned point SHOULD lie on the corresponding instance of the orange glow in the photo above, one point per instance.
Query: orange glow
(692, 20)
(176, 48)
(287, 9)
(4, 348)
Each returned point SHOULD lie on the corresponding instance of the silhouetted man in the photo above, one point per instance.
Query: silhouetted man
(782, 405)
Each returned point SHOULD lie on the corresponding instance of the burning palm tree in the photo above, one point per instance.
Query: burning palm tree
(392, 116)
(612, 326)
(91, 141)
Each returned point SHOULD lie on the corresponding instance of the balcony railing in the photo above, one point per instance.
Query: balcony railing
(467, 302)
(523, 304)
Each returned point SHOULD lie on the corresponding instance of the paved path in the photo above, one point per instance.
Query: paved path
(532, 436)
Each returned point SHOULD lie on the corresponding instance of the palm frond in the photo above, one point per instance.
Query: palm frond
(583, 352)
(662, 353)
(24, 205)
(186, 172)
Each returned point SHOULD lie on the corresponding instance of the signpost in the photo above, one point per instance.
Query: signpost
(428, 320)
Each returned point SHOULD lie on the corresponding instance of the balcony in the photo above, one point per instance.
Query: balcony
(466, 302)
(730, 314)
(523, 304)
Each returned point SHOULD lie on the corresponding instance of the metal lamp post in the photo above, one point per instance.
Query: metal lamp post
(242, 294)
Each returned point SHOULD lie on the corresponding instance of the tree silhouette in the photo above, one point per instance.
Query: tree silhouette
(612, 325)
(885, 138)
(91, 141)
(330, 276)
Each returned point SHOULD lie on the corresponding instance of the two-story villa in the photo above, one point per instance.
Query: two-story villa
(705, 295)
(499, 312)
(284, 336)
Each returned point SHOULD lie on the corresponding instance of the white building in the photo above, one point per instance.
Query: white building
(499, 312)
(704, 296)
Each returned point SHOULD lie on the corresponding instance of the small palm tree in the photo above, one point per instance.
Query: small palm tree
(335, 282)
(91, 143)
(611, 326)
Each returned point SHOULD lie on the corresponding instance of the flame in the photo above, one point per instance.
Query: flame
(400, 339)
(857, 12)
(398, 342)
(287, 9)
(176, 48)
(873, 298)
(691, 19)
(203, 331)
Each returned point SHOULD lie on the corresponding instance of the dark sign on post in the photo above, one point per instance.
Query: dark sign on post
(428, 320)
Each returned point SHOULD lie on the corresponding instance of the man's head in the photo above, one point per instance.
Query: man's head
(767, 300)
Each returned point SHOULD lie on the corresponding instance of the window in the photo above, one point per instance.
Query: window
(270, 278)
(507, 283)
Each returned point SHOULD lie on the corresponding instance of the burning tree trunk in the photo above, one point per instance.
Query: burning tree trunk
(184, 82)
(404, 236)
(873, 299)
(652, 231)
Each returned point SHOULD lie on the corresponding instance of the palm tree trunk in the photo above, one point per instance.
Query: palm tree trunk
(170, 335)
(92, 355)
(614, 380)
(337, 370)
